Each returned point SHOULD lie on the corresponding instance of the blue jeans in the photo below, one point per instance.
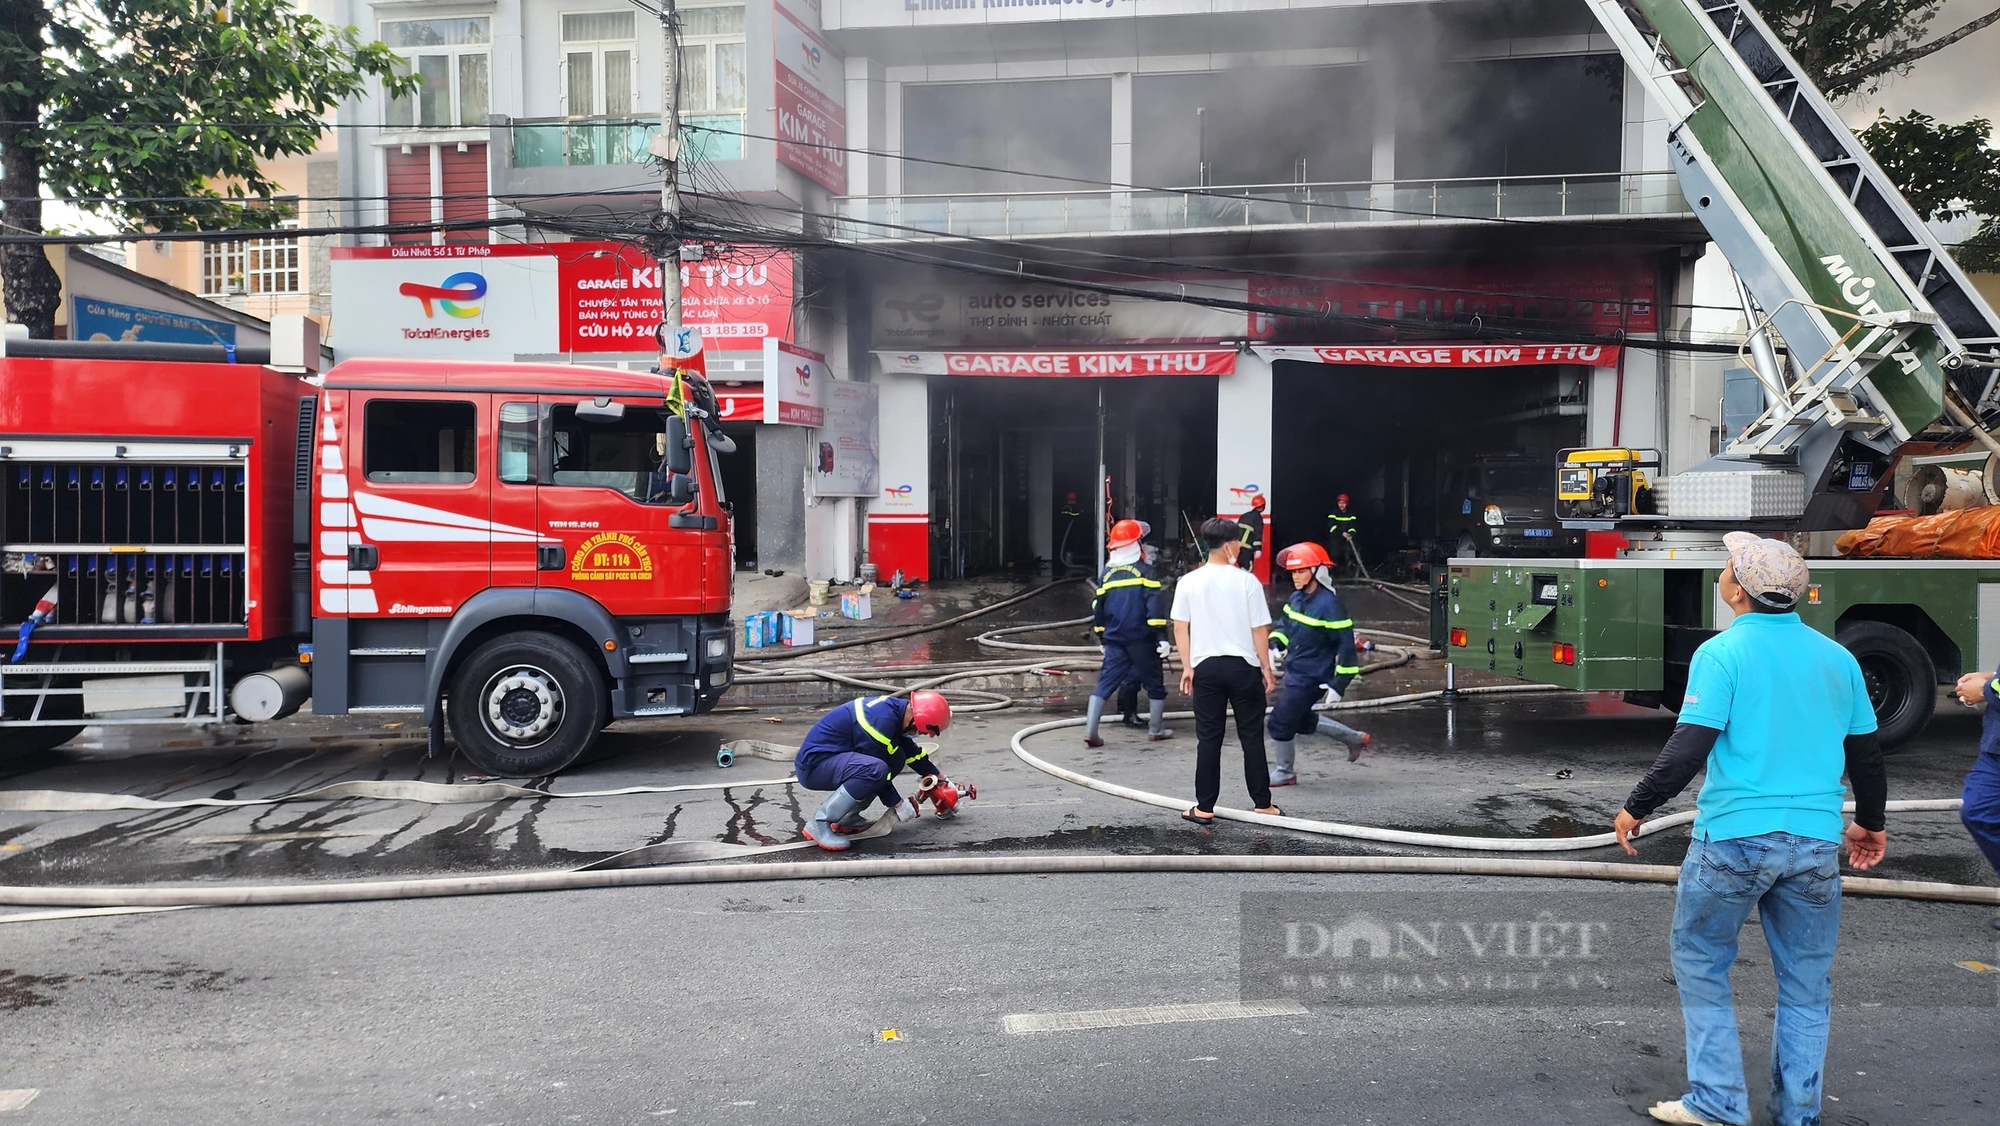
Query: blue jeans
(1794, 885)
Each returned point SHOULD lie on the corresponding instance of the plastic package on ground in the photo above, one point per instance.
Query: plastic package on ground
(1967, 533)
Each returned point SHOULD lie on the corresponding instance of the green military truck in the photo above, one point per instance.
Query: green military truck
(1865, 338)
(1631, 625)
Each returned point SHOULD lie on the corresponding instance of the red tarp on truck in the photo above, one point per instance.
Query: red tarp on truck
(1969, 533)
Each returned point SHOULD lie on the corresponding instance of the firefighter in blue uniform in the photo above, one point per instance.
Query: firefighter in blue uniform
(857, 749)
(1131, 624)
(1981, 812)
(1317, 638)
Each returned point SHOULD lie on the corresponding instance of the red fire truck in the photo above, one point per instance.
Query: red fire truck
(533, 550)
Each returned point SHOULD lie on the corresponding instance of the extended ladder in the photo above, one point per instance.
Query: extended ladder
(1877, 319)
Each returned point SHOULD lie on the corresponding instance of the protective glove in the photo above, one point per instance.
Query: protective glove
(1164, 649)
(1277, 659)
(1332, 696)
(906, 810)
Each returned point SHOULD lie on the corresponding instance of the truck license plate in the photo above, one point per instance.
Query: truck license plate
(1541, 533)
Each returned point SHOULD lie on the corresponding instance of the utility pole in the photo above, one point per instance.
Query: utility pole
(666, 145)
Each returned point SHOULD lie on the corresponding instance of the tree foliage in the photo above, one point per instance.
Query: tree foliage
(1947, 172)
(1848, 47)
(158, 112)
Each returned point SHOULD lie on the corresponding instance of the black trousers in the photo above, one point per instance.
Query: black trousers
(1233, 684)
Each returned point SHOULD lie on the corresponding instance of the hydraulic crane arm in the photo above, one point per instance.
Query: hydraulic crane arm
(1878, 321)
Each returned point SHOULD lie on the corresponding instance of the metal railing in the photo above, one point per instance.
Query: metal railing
(1096, 210)
(559, 142)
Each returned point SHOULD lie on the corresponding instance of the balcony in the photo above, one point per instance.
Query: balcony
(587, 142)
(1152, 210)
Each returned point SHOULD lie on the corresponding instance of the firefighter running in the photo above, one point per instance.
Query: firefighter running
(1317, 638)
(1131, 624)
(857, 749)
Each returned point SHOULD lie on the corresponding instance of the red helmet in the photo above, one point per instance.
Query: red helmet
(929, 713)
(1257, 501)
(1125, 533)
(1303, 556)
(1343, 498)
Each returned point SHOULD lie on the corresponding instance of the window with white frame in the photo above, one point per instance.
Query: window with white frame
(259, 266)
(221, 268)
(598, 49)
(452, 57)
(712, 59)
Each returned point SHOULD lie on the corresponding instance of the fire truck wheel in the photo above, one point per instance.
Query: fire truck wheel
(1901, 681)
(525, 704)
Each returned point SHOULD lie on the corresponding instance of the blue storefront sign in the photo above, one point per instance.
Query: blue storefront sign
(108, 320)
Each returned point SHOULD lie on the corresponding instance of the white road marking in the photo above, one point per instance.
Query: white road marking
(1018, 1023)
(84, 913)
(16, 1099)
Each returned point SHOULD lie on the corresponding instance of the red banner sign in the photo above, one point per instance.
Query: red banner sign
(610, 297)
(1446, 355)
(1058, 364)
(739, 404)
(807, 80)
(1586, 295)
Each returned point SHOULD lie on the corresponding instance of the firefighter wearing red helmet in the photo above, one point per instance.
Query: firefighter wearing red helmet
(1317, 637)
(1341, 525)
(857, 749)
(1252, 541)
(1131, 624)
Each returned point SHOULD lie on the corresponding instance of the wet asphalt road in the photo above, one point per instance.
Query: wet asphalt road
(766, 1002)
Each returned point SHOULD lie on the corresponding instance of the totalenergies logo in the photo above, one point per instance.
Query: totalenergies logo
(813, 56)
(458, 296)
(805, 377)
(899, 492)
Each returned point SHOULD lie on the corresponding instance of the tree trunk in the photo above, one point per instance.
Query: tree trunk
(29, 286)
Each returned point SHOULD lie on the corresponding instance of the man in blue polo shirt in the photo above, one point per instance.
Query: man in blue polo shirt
(1777, 711)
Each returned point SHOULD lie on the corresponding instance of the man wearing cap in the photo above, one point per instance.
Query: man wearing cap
(1776, 711)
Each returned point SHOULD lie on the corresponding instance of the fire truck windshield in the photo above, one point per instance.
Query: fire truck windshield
(626, 454)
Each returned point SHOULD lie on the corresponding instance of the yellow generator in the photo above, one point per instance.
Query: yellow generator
(1604, 484)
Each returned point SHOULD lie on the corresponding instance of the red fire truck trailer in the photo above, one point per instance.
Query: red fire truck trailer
(531, 550)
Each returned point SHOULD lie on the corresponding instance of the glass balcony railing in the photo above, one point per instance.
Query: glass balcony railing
(1110, 210)
(587, 141)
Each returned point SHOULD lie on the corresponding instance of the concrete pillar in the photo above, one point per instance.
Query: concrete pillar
(867, 126)
(1121, 128)
(1243, 443)
(781, 497)
(892, 137)
(1041, 495)
(898, 519)
(1382, 156)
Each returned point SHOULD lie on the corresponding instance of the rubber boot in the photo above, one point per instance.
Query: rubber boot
(856, 822)
(839, 806)
(1156, 723)
(1283, 753)
(1128, 705)
(1091, 720)
(1356, 741)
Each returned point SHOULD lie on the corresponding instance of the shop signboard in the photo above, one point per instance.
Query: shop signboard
(1057, 363)
(1429, 354)
(842, 448)
(91, 319)
(809, 82)
(954, 314)
(795, 381)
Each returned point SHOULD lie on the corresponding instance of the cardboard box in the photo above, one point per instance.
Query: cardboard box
(798, 627)
(857, 604)
(762, 629)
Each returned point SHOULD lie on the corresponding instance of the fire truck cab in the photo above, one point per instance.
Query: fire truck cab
(521, 552)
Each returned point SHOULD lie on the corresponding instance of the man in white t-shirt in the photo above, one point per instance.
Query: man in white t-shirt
(1221, 624)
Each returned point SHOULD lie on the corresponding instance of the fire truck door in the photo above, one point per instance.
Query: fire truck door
(422, 501)
(605, 499)
(517, 557)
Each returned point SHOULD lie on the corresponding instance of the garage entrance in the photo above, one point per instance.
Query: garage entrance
(1014, 467)
(1420, 450)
